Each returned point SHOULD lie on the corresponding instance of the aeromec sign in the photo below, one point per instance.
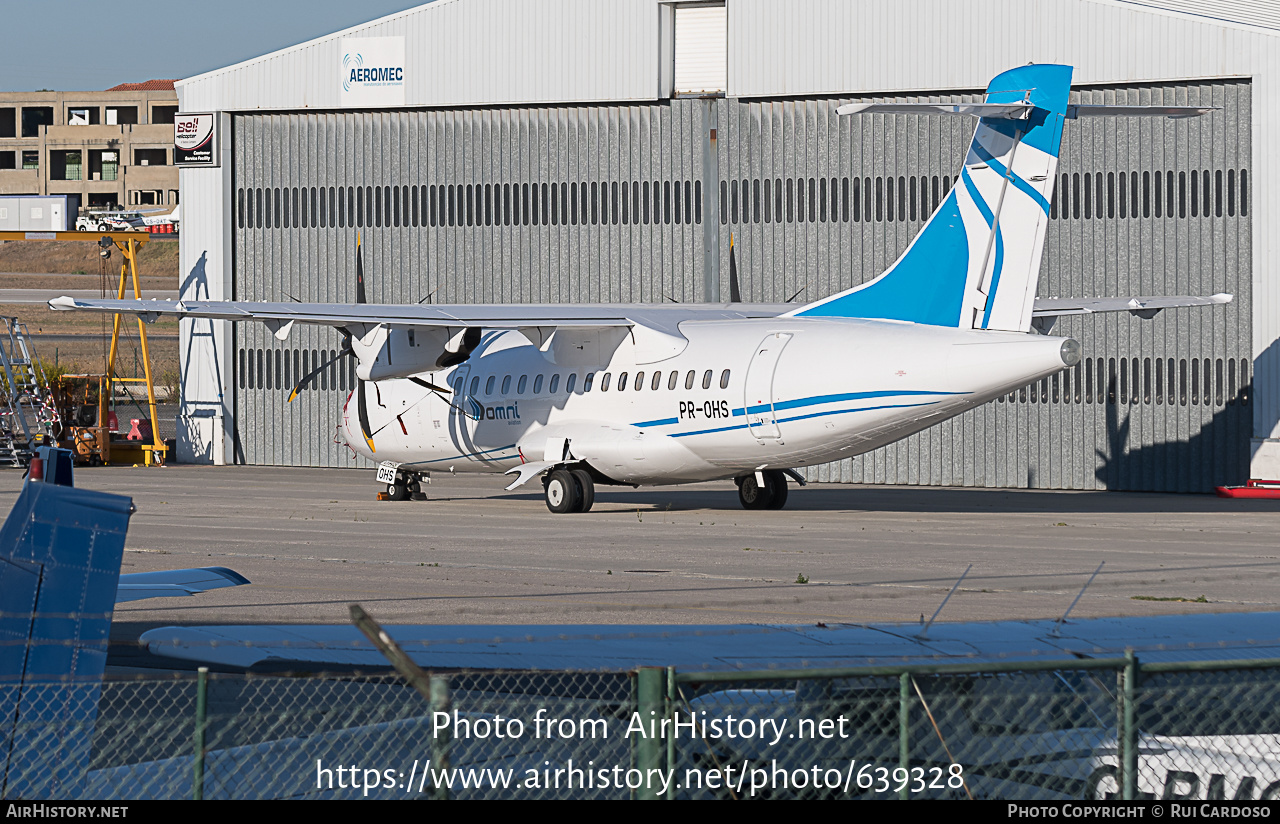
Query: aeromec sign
(372, 71)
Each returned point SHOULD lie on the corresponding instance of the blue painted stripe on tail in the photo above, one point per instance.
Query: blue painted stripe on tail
(990, 217)
(1022, 185)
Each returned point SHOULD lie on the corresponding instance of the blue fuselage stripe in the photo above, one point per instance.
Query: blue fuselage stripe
(803, 417)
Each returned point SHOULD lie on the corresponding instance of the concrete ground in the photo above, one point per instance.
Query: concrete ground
(313, 541)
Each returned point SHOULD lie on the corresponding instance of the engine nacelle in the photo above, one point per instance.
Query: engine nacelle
(385, 352)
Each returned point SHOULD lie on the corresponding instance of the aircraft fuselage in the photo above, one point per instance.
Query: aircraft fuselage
(739, 396)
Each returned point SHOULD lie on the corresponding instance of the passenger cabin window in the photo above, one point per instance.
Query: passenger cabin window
(675, 377)
(587, 381)
(555, 383)
(688, 380)
(657, 381)
(488, 385)
(604, 381)
(520, 386)
(537, 385)
(706, 379)
(639, 384)
(724, 379)
(475, 385)
(622, 382)
(569, 383)
(506, 385)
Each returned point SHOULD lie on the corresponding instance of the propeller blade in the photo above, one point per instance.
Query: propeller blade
(302, 384)
(430, 385)
(735, 294)
(360, 295)
(362, 408)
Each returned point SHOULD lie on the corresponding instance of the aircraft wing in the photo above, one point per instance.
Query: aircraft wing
(170, 583)
(724, 647)
(488, 316)
(1143, 307)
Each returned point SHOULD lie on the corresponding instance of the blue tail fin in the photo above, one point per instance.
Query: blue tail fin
(975, 263)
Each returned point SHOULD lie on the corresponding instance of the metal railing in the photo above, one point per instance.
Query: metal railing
(1073, 729)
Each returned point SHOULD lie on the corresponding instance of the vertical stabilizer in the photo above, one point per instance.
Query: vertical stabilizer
(975, 263)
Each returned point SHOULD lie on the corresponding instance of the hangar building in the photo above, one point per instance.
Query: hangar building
(588, 151)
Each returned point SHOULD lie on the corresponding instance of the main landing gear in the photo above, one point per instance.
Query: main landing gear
(772, 495)
(405, 487)
(569, 490)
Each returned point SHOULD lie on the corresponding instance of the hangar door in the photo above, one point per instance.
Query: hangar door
(582, 204)
(1143, 206)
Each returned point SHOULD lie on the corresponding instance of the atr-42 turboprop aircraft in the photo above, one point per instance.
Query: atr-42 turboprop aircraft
(632, 394)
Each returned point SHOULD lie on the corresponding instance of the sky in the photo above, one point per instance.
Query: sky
(91, 45)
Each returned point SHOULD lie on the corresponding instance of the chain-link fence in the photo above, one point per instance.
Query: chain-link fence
(1080, 729)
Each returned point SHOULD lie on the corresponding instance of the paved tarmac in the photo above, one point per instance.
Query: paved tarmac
(313, 541)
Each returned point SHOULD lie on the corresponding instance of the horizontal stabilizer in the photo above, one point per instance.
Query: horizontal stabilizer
(1141, 306)
(1086, 110)
(1007, 111)
(172, 583)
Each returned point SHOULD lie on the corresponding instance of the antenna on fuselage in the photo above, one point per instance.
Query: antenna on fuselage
(923, 633)
(1058, 626)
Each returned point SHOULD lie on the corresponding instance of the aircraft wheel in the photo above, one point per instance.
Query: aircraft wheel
(398, 491)
(752, 495)
(586, 487)
(776, 481)
(562, 492)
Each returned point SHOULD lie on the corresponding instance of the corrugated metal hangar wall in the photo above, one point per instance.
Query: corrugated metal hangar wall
(605, 204)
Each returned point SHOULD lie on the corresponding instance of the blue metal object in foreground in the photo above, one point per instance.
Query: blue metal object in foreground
(59, 465)
(60, 554)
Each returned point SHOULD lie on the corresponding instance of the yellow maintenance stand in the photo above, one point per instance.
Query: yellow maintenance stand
(128, 243)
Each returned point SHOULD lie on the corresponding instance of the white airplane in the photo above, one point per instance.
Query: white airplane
(639, 394)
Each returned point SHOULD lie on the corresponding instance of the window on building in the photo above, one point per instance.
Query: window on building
(122, 115)
(66, 165)
(8, 122)
(8, 160)
(33, 117)
(104, 164)
(163, 114)
(83, 116)
(150, 157)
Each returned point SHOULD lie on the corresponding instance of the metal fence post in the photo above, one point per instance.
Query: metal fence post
(1129, 728)
(202, 713)
(671, 739)
(650, 748)
(904, 729)
(441, 742)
